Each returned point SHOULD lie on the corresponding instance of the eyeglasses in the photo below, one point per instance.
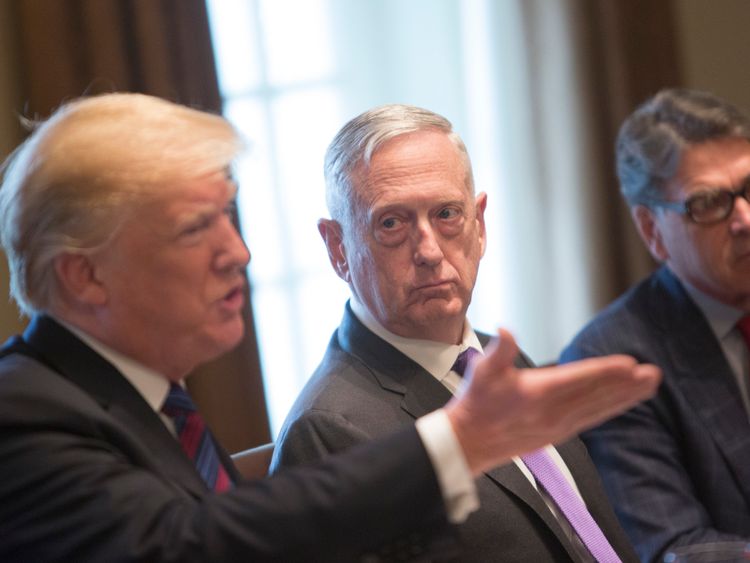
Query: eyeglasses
(709, 206)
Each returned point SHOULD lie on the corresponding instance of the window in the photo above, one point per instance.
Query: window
(278, 82)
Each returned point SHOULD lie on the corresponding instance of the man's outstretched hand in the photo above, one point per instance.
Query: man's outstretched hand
(504, 411)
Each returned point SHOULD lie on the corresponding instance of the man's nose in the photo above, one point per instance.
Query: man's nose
(234, 252)
(427, 251)
(740, 217)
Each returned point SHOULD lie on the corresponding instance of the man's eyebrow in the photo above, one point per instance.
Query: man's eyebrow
(203, 211)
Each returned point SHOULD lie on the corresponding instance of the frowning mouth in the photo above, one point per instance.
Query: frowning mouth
(434, 287)
(436, 283)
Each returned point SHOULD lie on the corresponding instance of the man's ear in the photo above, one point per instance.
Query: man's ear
(330, 231)
(648, 228)
(76, 275)
(481, 205)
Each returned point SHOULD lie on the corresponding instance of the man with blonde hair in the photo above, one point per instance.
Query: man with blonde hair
(116, 219)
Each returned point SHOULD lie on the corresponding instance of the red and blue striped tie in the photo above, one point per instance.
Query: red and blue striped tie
(195, 438)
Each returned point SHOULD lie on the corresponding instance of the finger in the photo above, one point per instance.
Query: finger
(502, 351)
(607, 386)
(582, 376)
(608, 375)
(612, 364)
(649, 372)
(610, 390)
(583, 408)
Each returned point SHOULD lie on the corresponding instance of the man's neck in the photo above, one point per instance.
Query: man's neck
(152, 385)
(131, 346)
(448, 332)
(434, 356)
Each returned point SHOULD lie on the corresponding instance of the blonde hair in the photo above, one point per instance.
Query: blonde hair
(73, 182)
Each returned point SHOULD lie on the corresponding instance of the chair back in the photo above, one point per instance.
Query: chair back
(253, 463)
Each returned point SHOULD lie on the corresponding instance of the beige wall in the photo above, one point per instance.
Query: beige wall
(10, 134)
(716, 47)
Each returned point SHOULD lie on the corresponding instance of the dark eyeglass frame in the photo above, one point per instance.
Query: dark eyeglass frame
(716, 213)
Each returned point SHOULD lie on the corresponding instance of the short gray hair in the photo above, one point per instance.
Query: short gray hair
(360, 138)
(652, 139)
(74, 181)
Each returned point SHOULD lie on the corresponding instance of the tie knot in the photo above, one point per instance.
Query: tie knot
(178, 402)
(463, 360)
(743, 325)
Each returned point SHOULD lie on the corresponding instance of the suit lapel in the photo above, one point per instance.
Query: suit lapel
(577, 459)
(71, 358)
(703, 374)
(514, 482)
(422, 394)
(393, 371)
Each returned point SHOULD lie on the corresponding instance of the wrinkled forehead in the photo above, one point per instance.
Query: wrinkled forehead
(718, 163)
(412, 161)
(181, 187)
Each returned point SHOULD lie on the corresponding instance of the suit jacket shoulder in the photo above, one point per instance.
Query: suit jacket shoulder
(365, 388)
(675, 467)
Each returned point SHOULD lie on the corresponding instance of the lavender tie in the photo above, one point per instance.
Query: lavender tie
(463, 360)
(551, 479)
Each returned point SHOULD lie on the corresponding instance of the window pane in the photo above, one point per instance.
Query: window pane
(235, 38)
(297, 44)
(278, 334)
(258, 206)
(304, 122)
(322, 297)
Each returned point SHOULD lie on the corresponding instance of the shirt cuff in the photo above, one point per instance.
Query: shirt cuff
(453, 475)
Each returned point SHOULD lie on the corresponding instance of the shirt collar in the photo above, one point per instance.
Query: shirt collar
(721, 317)
(435, 357)
(151, 385)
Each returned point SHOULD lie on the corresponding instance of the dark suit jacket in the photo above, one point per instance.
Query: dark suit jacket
(365, 388)
(677, 467)
(89, 472)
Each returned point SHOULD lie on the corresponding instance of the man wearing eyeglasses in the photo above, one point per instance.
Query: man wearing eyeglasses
(677, 468)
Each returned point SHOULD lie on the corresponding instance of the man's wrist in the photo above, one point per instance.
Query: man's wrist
(453, 474)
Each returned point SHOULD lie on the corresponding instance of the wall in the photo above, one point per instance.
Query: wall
(716, 47)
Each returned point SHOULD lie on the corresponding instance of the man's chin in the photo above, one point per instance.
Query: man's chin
(439, 308)
(437, 316)
(227, 337)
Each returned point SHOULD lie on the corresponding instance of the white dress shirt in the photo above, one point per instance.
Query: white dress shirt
(152, 386)
(722, 319)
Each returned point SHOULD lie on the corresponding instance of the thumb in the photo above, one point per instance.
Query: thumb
(501, 352)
